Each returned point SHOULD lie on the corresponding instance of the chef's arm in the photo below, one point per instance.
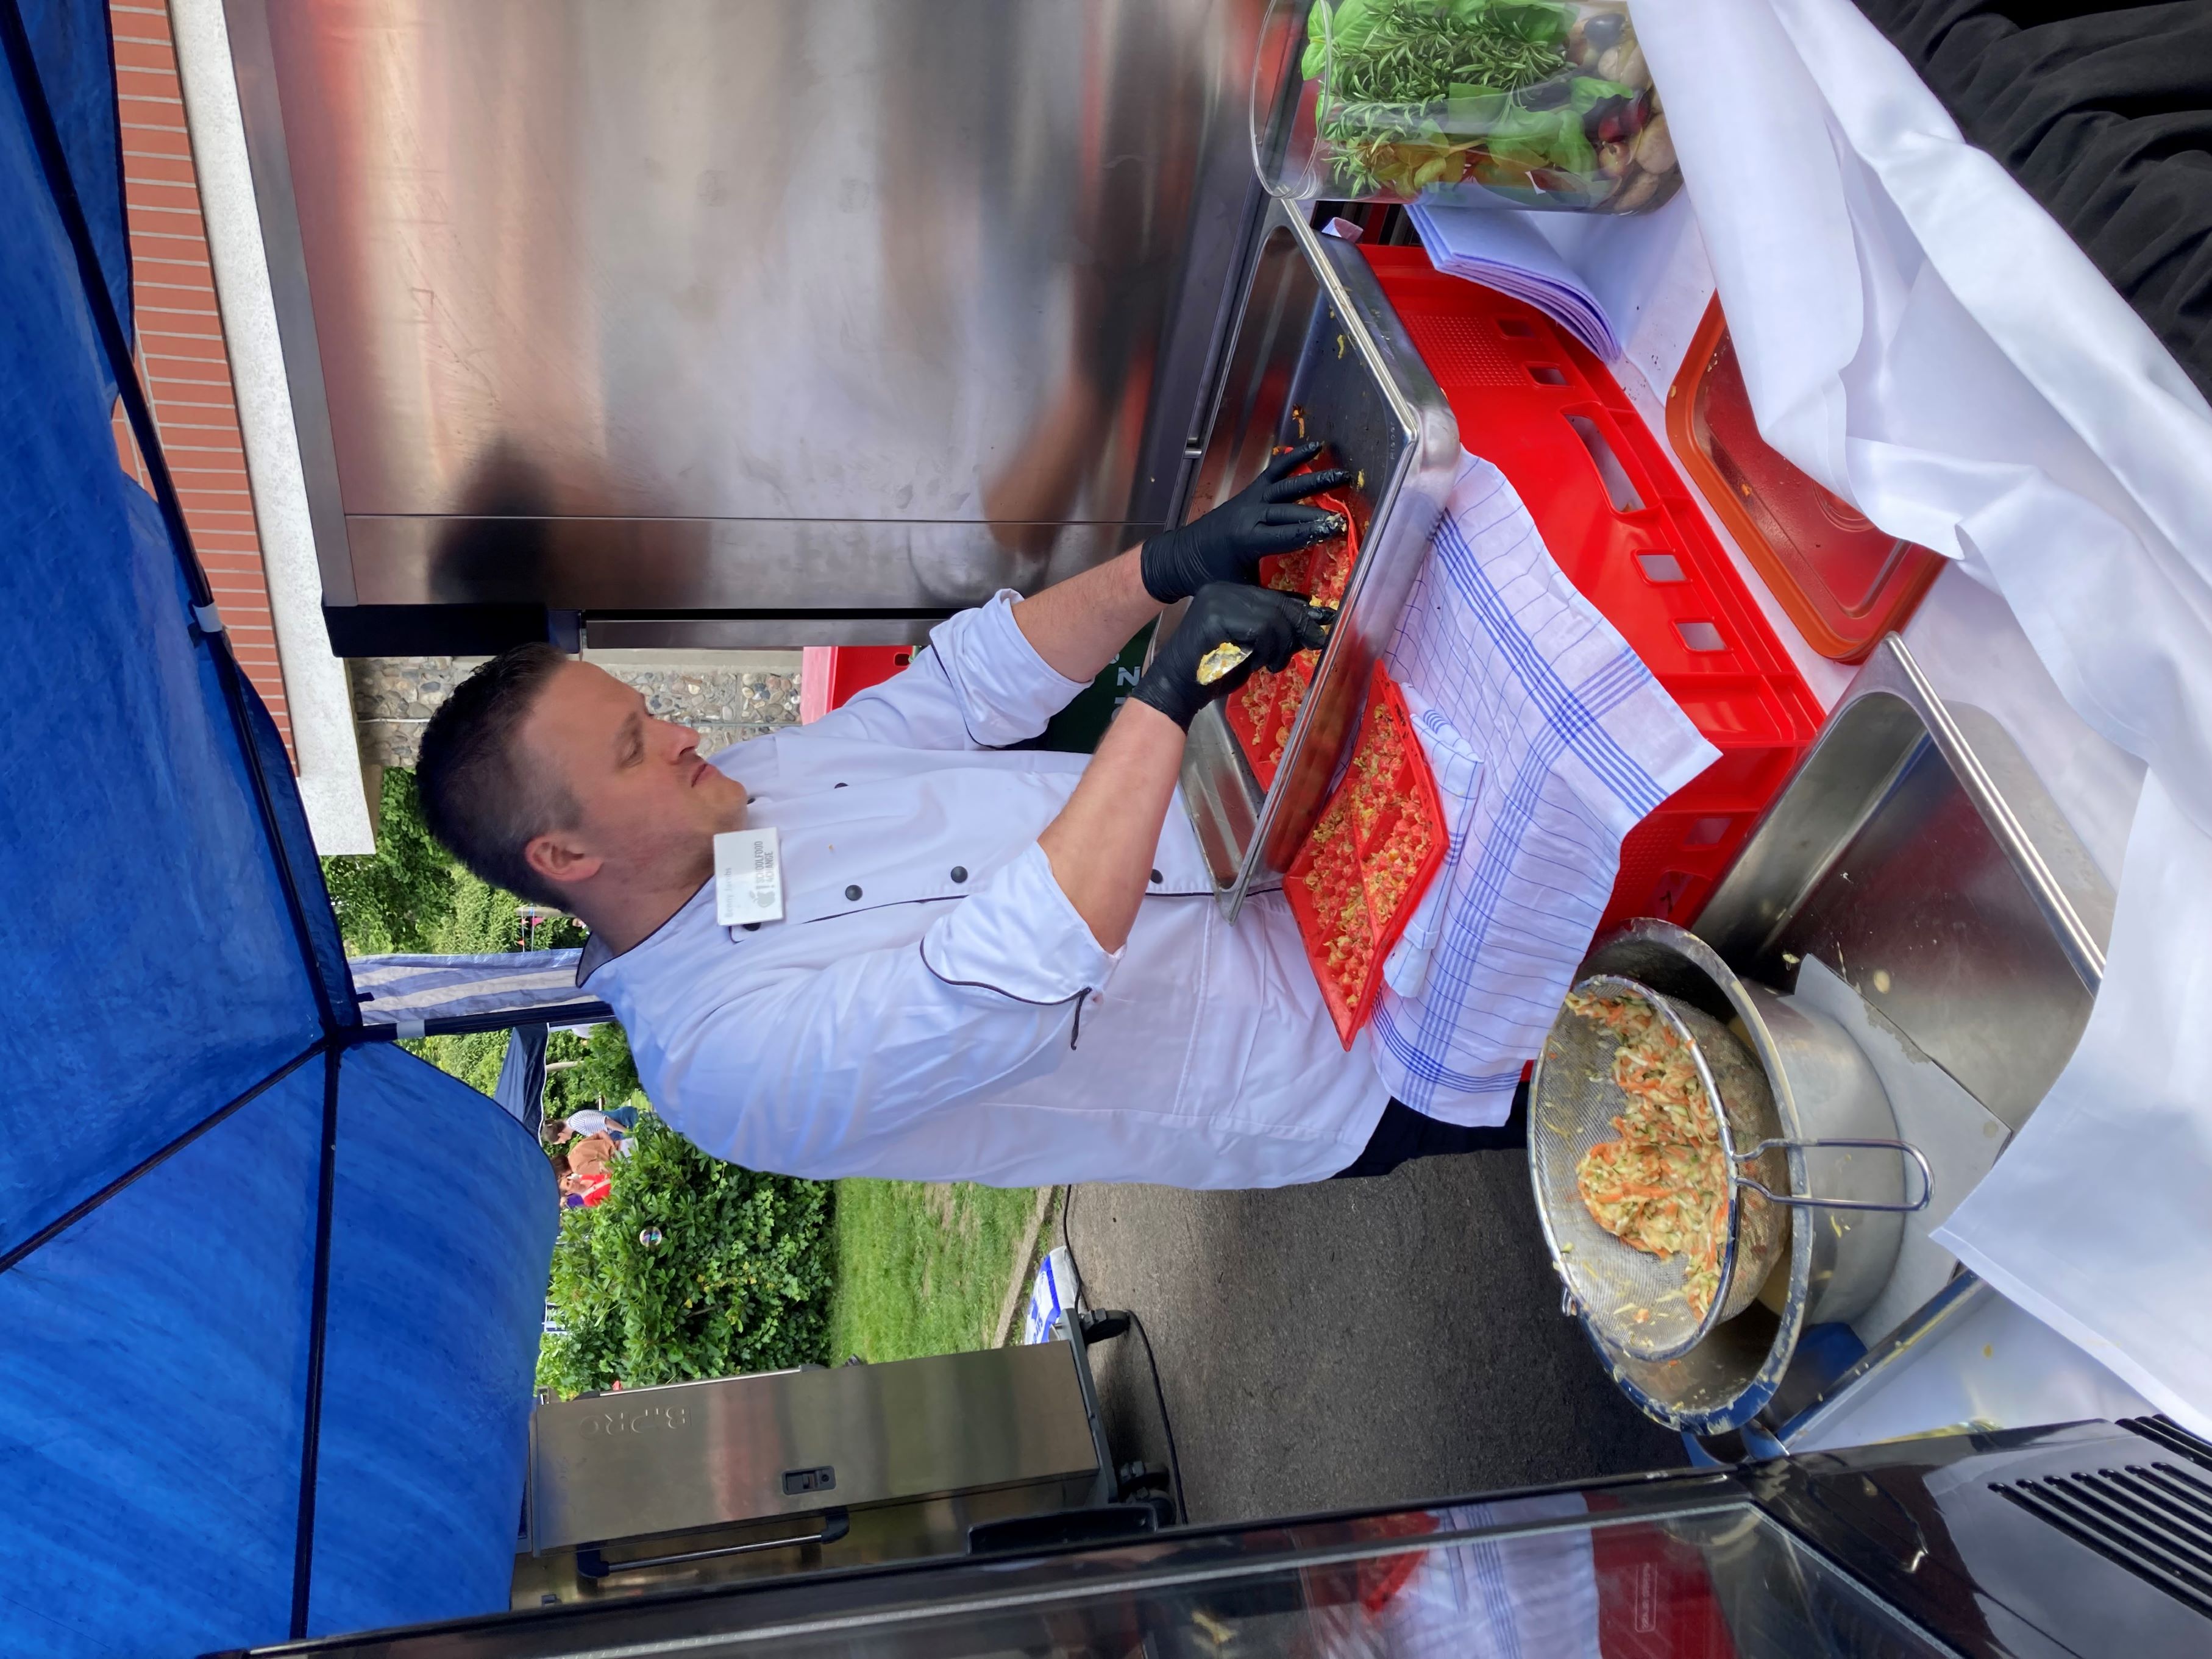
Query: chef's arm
(1079, 625)
(1102, 846)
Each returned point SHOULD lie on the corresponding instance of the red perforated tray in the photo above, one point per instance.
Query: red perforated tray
(1262, 710)
(1371, 854)
(1623, 524)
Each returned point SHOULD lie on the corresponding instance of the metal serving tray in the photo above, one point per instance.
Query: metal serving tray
(1318, 353)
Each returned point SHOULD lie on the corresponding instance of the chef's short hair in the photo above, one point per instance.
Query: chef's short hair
(480, 796)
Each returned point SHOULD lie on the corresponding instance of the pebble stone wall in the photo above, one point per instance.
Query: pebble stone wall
(393, 697)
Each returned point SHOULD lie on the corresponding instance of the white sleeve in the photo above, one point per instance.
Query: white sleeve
(979, 685)
(808, 1075)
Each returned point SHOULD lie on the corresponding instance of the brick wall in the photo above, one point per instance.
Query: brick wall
(181, 360)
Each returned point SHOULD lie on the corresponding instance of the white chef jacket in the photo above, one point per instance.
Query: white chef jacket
(932, 1008)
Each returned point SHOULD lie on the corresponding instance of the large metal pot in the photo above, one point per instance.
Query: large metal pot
(1839, 1260)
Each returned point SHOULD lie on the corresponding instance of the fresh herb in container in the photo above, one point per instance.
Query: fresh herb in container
(1547, 103)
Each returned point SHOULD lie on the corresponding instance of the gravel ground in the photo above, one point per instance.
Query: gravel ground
(1350, 1343)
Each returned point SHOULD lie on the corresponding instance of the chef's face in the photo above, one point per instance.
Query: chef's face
(648, 807)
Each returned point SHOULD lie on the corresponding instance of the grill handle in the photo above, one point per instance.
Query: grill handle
(590, 1562)
(1912, 1152)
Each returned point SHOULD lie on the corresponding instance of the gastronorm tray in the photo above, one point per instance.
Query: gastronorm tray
(1369, 858)
(1263, 712)
(1317, 351)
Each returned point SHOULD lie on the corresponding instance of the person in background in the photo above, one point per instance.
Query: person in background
(617, 1124)
(590, 1155)
(583, 1192)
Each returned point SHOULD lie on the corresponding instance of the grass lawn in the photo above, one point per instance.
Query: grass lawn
(921, 1269)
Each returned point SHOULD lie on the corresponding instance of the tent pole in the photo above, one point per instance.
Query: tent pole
(310, 1427)
(77, 1212)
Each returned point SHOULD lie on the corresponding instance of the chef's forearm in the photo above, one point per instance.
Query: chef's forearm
(1102, 846)
(1080, 625)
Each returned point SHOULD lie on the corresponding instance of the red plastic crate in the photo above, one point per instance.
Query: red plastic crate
(855, 668)
(1621, 521)
(1387, 795)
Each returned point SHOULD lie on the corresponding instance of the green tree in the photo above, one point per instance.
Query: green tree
(397, 898)
(604, 1073)
(690, 1268)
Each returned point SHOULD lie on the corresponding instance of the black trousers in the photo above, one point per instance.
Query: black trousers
(1404, 1135)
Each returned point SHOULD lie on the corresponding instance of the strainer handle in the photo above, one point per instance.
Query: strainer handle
(1912, 1152)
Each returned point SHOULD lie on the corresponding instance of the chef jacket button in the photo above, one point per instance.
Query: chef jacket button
(959, 873)
(750, 927)
(836, 786)
(1155, 877)
(852, 892)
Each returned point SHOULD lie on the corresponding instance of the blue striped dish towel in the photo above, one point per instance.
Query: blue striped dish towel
(1576, 742)
(1458, 772)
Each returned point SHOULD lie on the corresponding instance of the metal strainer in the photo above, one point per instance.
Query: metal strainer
(1638, 1303)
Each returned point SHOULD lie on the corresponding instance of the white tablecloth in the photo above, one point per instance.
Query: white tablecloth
(1919, 336)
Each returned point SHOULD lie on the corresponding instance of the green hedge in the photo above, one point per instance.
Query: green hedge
(738, 1280)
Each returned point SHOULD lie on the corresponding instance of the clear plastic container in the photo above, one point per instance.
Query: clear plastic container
(1522, 103)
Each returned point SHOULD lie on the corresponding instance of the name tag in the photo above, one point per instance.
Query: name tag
(748, 878)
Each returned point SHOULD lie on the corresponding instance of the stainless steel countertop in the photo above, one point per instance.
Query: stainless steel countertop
(1916, 856)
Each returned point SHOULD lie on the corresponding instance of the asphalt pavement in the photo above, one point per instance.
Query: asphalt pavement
(1350, 1343)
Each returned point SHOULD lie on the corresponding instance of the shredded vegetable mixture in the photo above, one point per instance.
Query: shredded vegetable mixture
(1374, 768)
(1663, 1187)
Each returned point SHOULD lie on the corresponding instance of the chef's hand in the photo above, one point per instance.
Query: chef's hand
(1274, 627)
(1227, 544)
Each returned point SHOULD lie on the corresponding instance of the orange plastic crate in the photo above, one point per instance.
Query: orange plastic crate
(1623, 524)
(1843, 582)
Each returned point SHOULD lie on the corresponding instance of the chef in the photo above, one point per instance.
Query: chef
(993, 964)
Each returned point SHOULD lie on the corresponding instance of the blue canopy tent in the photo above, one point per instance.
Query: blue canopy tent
(267, 1365)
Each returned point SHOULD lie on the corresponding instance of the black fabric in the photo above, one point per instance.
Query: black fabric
(1404, 1135)
(2104, 113)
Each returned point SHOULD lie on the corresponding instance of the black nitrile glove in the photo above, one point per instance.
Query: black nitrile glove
(1274, 627)
(1226, 545)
